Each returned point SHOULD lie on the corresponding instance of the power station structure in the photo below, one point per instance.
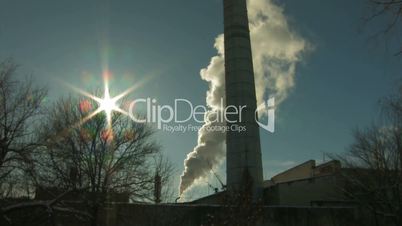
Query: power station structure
(243, 156)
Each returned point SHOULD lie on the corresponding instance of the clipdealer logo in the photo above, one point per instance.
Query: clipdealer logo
(268, 108)
(163, 115)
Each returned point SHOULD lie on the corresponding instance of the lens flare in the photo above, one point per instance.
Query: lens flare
(106, 104)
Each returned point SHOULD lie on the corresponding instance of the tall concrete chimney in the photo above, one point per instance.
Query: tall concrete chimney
(243, 148)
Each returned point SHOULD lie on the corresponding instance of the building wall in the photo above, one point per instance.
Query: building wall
(301, 171)
(306, 170)
(195, 215)
(116, 214)
(306, 185)
(303, 185)
(305, 192)
(327, 168)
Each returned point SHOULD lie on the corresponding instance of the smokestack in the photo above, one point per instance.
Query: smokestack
(157, 188)
(276, 51)
(243, 148)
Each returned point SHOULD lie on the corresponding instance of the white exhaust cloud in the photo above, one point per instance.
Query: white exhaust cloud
(276, 52)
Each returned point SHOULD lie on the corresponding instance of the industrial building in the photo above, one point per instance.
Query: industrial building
(306, 184)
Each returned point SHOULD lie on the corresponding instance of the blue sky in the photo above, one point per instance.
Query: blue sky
(337, 88)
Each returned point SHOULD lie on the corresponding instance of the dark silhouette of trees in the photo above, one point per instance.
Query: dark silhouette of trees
(389, 11)
(87, 155)
(20, 107)
(78, 162)
(373, 174)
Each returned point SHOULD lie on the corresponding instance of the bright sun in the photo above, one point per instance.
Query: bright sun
(108, 105)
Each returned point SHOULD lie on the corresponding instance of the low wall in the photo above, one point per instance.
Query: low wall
(192, 215)
(196, 215)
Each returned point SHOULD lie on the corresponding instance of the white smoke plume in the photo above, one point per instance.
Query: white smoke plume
(276, 51)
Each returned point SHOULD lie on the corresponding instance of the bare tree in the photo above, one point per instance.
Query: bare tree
(79, 154)
(20, 106)
(389, 11)
(374, 174)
